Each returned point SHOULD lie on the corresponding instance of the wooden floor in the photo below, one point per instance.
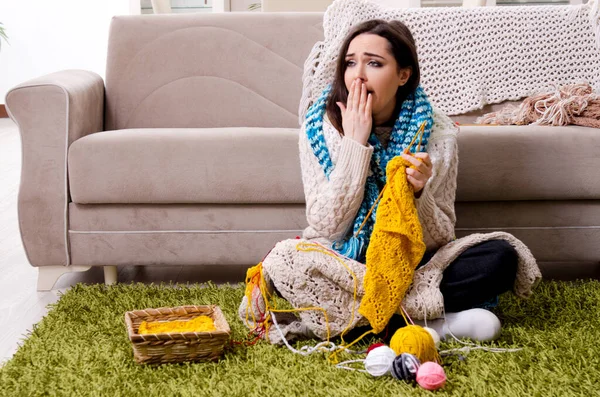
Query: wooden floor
(21, 305)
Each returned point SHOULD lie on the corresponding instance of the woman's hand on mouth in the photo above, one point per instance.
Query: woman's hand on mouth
(357, 119)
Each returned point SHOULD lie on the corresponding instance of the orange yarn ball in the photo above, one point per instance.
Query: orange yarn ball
(415, 340)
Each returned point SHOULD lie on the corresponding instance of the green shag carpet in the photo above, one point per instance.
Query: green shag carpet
(81, 348)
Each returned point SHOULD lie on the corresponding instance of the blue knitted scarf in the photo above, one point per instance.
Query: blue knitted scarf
(414, 111)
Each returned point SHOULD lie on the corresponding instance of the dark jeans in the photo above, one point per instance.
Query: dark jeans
(476, 276)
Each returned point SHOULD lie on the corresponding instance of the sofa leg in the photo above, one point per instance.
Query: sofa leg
(48, 275)
(110, 275)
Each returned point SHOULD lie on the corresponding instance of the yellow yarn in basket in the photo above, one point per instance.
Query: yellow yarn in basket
(198, 324)
(415, 340)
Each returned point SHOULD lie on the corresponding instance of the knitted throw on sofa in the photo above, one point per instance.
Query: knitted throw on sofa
(471, 57)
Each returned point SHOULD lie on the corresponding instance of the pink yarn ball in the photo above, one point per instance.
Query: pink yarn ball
(431, 376)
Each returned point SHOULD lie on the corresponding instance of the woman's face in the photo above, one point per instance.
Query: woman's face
(369, 59)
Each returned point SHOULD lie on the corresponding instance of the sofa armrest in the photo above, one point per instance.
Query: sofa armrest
(51, 112)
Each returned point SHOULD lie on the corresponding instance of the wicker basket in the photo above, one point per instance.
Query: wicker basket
(177, 347)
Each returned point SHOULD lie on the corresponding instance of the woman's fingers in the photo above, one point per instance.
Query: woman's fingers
(357, 90)
(356, 114)
(350, 95)
(417, 184)
(413, 160)
(425, 157)
(419, 162)
(363, 99)
(358, 98)
(420, 171)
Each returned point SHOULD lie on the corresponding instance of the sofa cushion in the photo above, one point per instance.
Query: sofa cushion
(207, 70)
(195, 165)
(196, 218)
(498, 163)
(179, 234)
(261, 165)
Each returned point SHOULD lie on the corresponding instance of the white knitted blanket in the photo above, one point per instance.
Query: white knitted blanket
(312, 279)
(471, 57)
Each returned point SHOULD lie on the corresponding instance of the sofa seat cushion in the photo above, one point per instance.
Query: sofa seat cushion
(554, 230)
(499, 163)
(179, 234)
(191, 165)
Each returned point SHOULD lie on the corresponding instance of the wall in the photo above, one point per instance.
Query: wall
(242, 5)
(178, 6)
(47, 36)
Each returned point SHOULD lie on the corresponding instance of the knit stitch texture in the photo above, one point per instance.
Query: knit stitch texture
(470, 57)
(462, 70)
(415, 111)
(311, 278)
(395, 250)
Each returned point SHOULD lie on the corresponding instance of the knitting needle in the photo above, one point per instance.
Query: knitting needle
(420, 134)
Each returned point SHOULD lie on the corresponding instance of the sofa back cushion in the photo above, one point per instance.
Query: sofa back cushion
(187, 165)
(207, 70)
(506, 163)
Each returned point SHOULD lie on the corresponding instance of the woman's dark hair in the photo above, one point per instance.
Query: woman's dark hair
(402, 47)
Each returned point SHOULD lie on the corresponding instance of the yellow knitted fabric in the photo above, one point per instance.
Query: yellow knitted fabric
(395, 249)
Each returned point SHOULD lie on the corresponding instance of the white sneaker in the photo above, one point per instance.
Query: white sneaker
(479, 325)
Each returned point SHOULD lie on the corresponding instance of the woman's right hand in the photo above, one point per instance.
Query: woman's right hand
(357, 119)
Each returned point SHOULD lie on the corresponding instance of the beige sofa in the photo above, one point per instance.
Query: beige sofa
(187, 154)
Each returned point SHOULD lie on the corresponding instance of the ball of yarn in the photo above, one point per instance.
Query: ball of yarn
(405, 367)
(415, 340)
(434, 335)
(431, 376)
(373, 346)
(379, 361)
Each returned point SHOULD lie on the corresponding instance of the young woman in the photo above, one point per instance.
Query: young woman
(369, 115)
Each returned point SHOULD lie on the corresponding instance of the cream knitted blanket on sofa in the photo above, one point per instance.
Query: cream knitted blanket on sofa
(471, 57)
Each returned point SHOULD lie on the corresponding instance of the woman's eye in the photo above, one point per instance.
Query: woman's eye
(349, 63)
(374, 63)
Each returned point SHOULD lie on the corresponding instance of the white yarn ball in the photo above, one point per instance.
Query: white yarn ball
(434, 335)
(379, 361)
